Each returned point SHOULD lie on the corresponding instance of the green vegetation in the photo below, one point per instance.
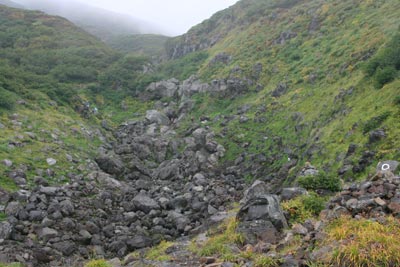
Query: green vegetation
(328, 56)
(157, 253)
(144, 44)
(364, 242)
(11, 265)
(329, 101)
(320, 181)
(375, 122)
(97, 263)
(396, 100)
(223, 243)
(219, 242)
(50, 69)
(304, 207)
(3, 216)
(7, 99)
(184, 67)
(265, 261)
(385, 65)
(329, 96)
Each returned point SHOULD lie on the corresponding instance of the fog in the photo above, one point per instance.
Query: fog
(176, 16)
(170, 17)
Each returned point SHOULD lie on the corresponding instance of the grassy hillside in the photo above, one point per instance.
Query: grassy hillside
(321, 85)
(324, 76)
(330, 76)
(145, 44)
(57, 85)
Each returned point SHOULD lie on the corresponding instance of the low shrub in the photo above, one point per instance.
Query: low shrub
(384, 75)
(320, 181)
(304, 207)
(385, 64)
(220, 242)
(375, 122)
(396, 100)
(314, 203)
(97, 263)
(7, 99)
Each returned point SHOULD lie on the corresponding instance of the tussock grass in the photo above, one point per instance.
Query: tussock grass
(97, 263)
(15, 264)
(302, 208)
(265, 261)
(365, 243)
(220, 242)
(158, 252)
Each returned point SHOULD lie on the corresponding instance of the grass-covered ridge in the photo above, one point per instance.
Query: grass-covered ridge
(58, 84)
(338, 63)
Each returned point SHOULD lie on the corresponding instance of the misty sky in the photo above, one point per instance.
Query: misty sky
(174, 16)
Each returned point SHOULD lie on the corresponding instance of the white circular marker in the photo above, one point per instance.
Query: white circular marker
(385, 167)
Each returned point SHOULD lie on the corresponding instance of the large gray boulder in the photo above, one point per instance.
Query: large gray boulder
(388, 165)
(377, 135)
(47, 233)
(191, 86)
(167, 170)
(155, 116)
(105, 180)
(5, 230)
(260, 216)
(200, 137)
(145, 203)
(138, 241)
(13, 208)
(179, 220)
(67, 248)
(110, 163)
(158, 90)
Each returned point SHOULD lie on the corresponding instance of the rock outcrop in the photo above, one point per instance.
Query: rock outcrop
(260, 216)
(372, 198)
(230, 86)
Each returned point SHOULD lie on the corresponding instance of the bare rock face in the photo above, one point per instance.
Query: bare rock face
(5, 230)
(260, 215)
(154, 116)
(376, 135)
(162, 89)
(110, 163)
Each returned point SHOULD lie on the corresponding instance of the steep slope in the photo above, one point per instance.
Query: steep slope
(266, 86)
(146, 44)
(50, 101)
(61, 92)
(300, 69)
